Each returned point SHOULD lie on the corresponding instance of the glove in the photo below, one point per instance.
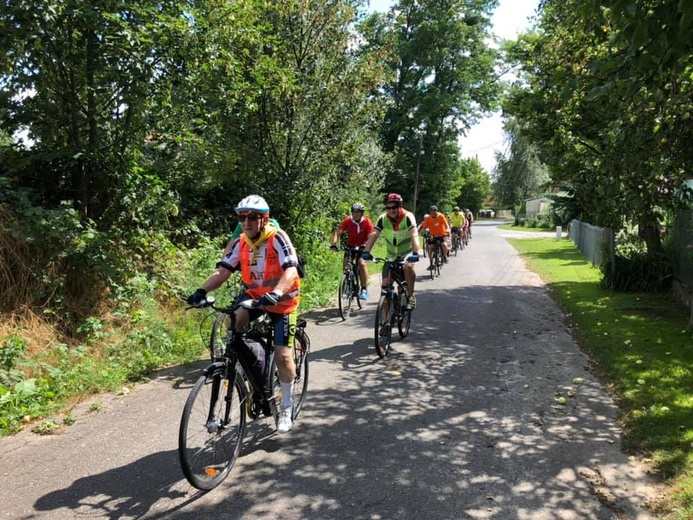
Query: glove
(366, 256)
(413, 257)
(333, 247)
(196, 298)
(269, 299)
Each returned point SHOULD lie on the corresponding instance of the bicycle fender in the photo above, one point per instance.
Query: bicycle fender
(213, 368)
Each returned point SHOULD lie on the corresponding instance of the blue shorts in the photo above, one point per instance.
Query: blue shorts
(283, 325)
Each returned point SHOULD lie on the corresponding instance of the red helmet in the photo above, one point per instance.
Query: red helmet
(394, 197)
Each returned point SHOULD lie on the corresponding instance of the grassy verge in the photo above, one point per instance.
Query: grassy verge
(642, 351)
(513, 227)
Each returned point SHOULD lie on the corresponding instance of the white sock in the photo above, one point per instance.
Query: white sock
(287, 392)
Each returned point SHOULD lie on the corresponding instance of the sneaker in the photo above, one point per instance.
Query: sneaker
(363, 294)
(285, 420)
(411, 302)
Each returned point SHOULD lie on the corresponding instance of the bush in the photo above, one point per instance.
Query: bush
(635, 269)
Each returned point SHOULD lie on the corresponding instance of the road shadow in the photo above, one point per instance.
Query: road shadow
(446, 427)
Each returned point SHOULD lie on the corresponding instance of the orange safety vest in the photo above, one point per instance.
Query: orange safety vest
(273, 272)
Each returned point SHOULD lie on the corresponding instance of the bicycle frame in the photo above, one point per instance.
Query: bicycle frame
(350, 283)
(214, 417)
(392, 306)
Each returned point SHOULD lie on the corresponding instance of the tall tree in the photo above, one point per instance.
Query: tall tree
(520, 174)
(442, 81)
(80, 78)
(606, 104)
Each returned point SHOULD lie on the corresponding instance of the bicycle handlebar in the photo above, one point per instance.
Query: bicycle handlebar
(209, 301)
(398, 260)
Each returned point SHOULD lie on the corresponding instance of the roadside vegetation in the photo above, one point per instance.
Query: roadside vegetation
(117, 187)
(642, 352)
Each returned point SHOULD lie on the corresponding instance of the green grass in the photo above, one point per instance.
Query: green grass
(641, 350)
(513, 227)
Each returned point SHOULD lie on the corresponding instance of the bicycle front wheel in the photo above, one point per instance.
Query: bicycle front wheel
(355, 284)
(211, 430)
(404, 316)
(345, 294)
(217, 339)
(439, 262)
(383, 326)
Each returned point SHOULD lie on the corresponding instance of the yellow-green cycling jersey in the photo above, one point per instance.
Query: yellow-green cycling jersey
(396, 234)
(457, 220)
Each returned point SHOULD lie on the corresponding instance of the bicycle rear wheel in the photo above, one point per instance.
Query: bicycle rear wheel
(346, 292)
(383, 326)
(211, 431)
(403, 316)
(300, 351)
(455, 245)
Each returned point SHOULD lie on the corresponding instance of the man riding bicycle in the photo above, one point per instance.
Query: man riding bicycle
(470, 221)
(268, 264)
(398, 228)
(457, 222)
(437, 224)
(358, 229)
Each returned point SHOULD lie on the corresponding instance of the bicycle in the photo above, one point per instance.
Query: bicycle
(425, 234)
(392, 306)
(236, 385)
(436, 257)
(456, 240)
(350, 285)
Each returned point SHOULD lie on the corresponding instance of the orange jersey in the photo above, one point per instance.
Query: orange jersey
(438, 226)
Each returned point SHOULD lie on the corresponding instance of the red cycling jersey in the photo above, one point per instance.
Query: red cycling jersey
(357, 232)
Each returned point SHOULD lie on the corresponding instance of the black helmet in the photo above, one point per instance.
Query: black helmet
(357, 206)
(433, 208)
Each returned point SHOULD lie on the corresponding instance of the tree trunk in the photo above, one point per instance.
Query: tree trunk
(648, 230)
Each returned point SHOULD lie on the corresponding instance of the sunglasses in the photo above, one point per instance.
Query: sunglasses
(253, 217)
(390, 208)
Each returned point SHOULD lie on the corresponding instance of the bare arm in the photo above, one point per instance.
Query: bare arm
(287, 280)
(216, 279)
(371, 240)
(335, 237)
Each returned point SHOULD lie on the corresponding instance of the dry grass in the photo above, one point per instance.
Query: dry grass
(36, 330)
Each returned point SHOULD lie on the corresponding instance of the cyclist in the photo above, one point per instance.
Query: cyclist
(470, 220)
(437, 225)
(457, 222)
(268, 263)
(398, 228)
(239, 230)
(358, 229)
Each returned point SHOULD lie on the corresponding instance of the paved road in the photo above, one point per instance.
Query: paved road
(461, 421)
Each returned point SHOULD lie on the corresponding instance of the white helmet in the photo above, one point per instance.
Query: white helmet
(253, 203)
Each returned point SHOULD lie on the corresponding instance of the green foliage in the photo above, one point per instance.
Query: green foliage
(634, 269)
(475, 187)
(440, 80)
(520, 175)
(607, 104)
